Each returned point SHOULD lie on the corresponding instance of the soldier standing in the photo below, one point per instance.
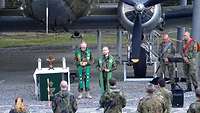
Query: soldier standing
(151, 103)
(189, 64)
(167, 50)
(106, 64)
(64, 101)
(112, 101)
(84, 59)
(195, 107)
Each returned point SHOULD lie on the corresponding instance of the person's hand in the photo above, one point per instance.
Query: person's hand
(81, 63)
(186, 60)
(84, 63)
(166, 60)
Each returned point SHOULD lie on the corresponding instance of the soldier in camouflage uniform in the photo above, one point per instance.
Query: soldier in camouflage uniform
(189, 64)
(106, 64)
(64, 101)
(151, 103)
(195, 107)
(165, 93)
(112, 101)
(167, 50)
(84, 59)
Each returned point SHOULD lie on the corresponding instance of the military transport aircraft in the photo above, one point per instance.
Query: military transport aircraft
(135, 16)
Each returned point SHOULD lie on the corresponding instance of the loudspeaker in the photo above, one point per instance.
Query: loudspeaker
(178, 96)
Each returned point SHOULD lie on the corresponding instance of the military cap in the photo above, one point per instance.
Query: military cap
(155, 81)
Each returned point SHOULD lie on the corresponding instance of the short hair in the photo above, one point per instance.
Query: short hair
(161, 82)
(63, 85)
(197, 92)
(150, 88)
(112, 82)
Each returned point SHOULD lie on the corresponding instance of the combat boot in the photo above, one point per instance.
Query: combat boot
(189, 88)
(88, 95)
(80, 95)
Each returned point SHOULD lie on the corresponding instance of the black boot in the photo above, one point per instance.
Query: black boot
(189, 88)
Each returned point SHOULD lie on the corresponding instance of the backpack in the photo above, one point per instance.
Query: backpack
(63, 104)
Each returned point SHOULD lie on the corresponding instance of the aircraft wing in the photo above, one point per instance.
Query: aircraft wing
(177, 16)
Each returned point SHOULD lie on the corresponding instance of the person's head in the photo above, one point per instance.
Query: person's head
(150, 88)
(197, 92)
(76, 33)
(161, 82)
(105, 50)
(112, 82)
(166, 38)
(186, 36)
(50, 57)
(83, 46)
(63, 85)
(19, 105)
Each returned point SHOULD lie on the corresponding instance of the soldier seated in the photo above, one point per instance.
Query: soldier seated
(151, 103)
(195, 107)
(64, 101)
(112, 101)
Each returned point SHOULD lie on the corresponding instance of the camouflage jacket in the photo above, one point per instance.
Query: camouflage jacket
(151, 104)
(166, 52)
(64, 102)
(194, 107)
(167, 95)
(190, 53)
(112, 101)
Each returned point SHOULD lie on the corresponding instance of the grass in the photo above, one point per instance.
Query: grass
(40, 39)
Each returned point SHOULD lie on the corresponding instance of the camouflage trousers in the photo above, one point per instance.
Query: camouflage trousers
(190, 73)
(170, 68)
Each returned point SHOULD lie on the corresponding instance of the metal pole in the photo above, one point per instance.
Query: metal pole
(47, 17)
(99, 42)
(180, 33)
(2, 4)
(119, 45)
(183, 2)
(196, 27)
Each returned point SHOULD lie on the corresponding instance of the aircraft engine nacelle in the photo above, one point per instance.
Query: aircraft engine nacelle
(151, 17)
(60, 11)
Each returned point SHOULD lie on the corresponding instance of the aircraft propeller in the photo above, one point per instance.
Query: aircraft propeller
(137, 28)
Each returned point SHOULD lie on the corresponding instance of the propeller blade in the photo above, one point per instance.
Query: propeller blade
(152, 2)
(129, 2)
(136, 38)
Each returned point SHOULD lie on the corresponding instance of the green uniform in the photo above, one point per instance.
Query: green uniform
(151, 104)
(190, 68)
(167, 96)
(64, 102)
(84, 71)
(112, 101)
(194, 107)
(104, 77)
(167, 50)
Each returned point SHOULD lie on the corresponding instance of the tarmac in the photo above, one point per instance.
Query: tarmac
(17, 66)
